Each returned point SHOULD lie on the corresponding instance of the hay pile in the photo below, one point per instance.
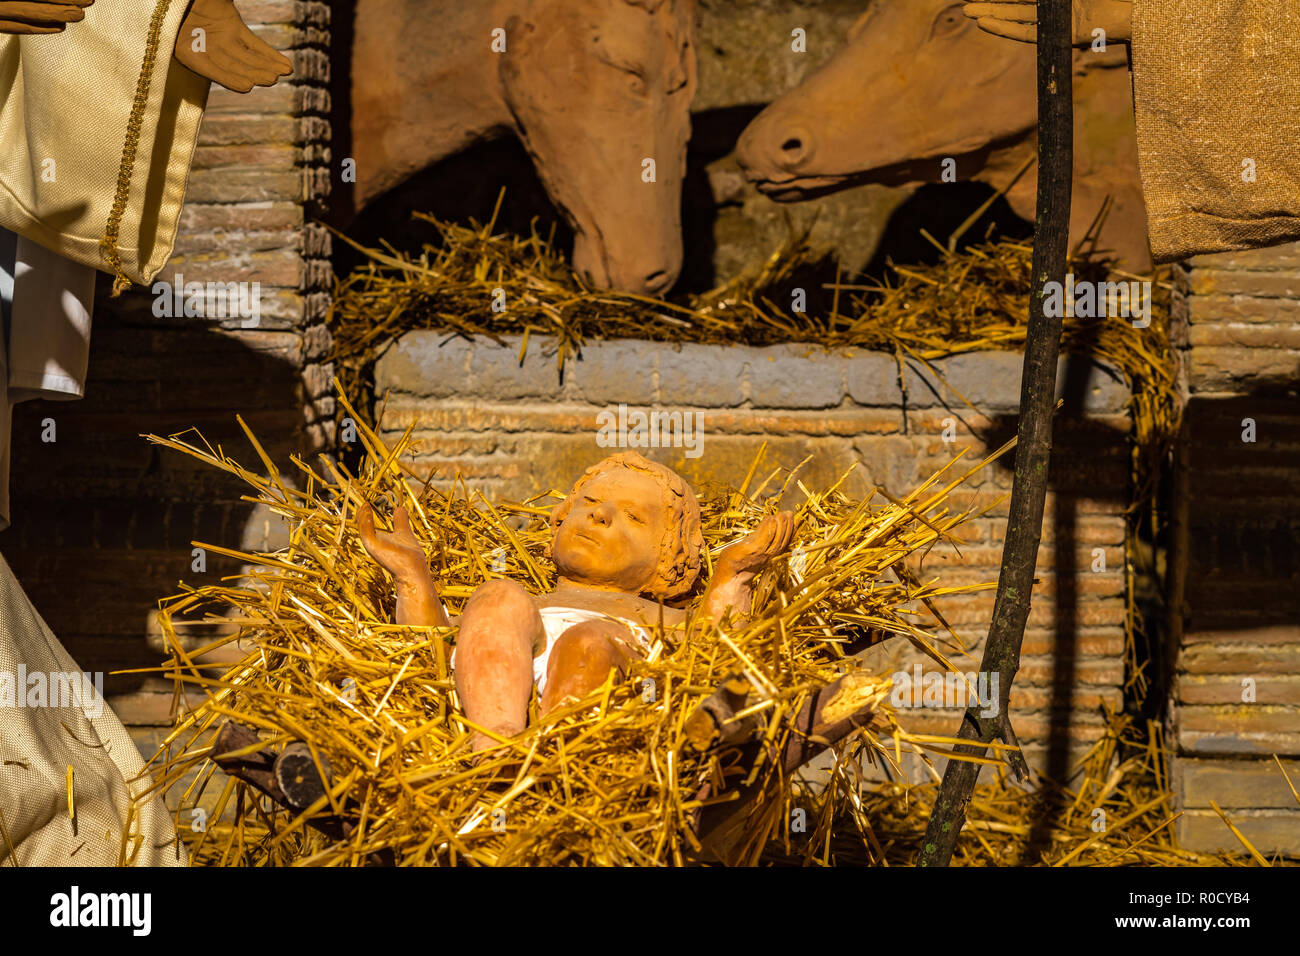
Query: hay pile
(611, 779)
(1124, 776)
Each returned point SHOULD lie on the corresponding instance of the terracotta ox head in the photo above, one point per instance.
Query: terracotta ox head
(597, 88)
(919, 83)
(592, 88)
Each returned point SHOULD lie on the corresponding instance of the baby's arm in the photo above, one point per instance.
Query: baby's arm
(731, 589)
(400, 554)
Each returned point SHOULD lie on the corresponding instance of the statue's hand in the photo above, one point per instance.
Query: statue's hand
(1018, 20)
(214, 42)
(748, 555)
(397, 551)
(40, 16)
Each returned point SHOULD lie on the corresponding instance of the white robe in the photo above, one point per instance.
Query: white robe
(65, 109)
(45, 301)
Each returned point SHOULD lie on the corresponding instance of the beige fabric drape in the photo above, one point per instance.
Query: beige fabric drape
(39, 743)
(1217, 93)
(67, 98)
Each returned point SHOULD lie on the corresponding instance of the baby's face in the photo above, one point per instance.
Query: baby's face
(612, 533)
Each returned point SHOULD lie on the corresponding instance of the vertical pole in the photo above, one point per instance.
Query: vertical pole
(1033, 453)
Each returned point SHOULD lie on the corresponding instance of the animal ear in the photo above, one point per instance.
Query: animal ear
(861, 21)
(518, 30)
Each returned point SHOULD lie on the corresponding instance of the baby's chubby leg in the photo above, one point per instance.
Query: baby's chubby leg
(582, 658)
(500, 632)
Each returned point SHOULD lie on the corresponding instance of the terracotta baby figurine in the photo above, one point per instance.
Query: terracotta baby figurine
(626, 538)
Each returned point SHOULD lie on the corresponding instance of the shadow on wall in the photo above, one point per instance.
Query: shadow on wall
(466, 186)
(941, 209)
(1089, 464)
(1240, 592)
(102, 520)
(458, 189)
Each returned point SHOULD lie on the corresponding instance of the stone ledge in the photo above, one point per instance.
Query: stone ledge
(1286, 256)
(440, 365)
(1251, 783)
(1269, 831)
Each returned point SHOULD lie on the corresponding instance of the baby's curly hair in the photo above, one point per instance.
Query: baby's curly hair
(680, 551)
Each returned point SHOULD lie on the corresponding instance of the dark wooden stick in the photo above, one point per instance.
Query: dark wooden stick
(711, 724)
(284, 778)
(1033, 453)
(299, 780)
(256, 768)
(826, 718)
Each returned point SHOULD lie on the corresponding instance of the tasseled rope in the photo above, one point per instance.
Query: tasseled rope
(108, 244)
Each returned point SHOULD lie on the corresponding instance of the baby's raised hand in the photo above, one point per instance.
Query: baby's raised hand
(771, 538)
(397, 551)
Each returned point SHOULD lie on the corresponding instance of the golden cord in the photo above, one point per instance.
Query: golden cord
(121, 282)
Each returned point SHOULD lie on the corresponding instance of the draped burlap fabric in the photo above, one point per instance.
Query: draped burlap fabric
(65, 104)
(1217, 94)
(39, 743)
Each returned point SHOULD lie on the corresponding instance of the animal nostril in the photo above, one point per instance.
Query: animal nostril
(655, 280)
(796, 148)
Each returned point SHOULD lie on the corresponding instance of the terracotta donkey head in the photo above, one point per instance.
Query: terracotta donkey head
(598, 92)
(919, 83)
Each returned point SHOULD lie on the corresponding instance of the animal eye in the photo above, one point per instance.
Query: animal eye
(634, 73)
(949, 21)
(635, 517)
(588, 500)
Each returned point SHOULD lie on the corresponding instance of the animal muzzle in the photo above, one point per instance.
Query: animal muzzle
(650, 270)
(775, 151)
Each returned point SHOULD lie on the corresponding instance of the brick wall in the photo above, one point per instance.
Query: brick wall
(102, 522)
(1236, 587)
(516, 428)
